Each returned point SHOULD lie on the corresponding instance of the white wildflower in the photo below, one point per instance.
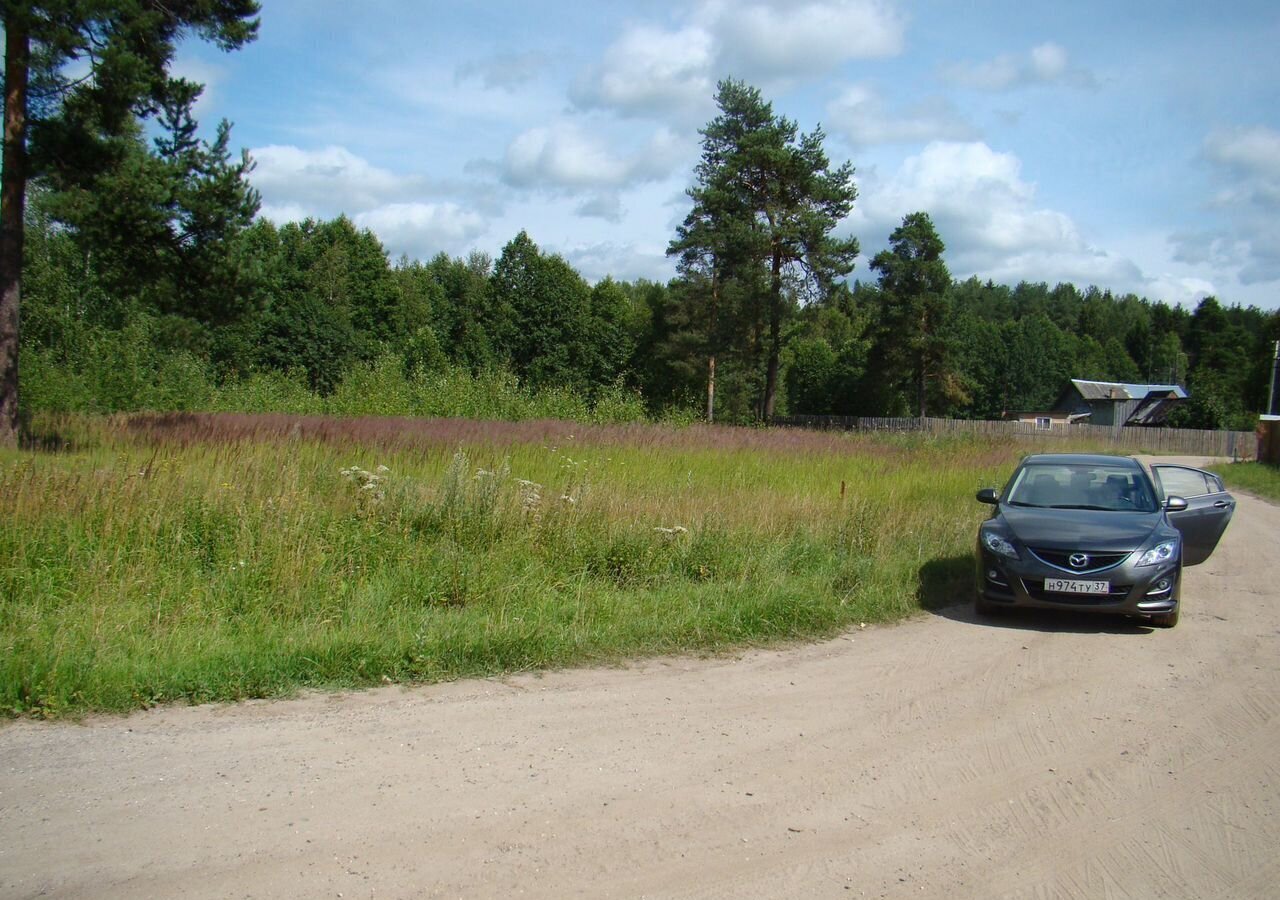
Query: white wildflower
(382, 470)
(530, 494)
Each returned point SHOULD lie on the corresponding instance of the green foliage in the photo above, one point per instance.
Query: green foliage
(550, 308)
(765, 204)
(79, 77)
(914, 282)
(302, 331)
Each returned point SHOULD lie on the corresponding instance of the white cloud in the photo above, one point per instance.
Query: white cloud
(280, 213)
(781, 39)
(566, 157)
(203, 73)
(671, 73)
(1181, 290)
(498, 90)
(987, 216)
(1245, 163)
(625, 261)
(1046, 63)
(1248, 159)
(1205, 248)
(506, 71)
(607, 206)
(423, 229)
(859, 113)
(404, 211)
(650, 70)
(324, 181)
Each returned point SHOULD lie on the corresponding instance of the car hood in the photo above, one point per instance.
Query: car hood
(1080, 529)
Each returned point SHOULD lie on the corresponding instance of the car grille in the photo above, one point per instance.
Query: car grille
(1035, 588)
(1061, 559)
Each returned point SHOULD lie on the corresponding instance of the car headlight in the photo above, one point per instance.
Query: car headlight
(998, 545)
(1159, 553)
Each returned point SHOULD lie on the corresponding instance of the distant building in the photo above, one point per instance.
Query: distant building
(1108, 403)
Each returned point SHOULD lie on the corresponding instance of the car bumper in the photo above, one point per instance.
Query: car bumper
(1135, 590)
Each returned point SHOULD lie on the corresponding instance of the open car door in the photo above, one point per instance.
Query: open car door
(1209, 508)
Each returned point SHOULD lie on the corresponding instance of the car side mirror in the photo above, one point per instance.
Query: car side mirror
(1175, 504)
(989, 495)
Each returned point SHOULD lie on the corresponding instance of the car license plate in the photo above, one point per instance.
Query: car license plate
(1071, 586)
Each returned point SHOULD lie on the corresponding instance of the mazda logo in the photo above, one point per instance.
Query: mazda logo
(1078, 560)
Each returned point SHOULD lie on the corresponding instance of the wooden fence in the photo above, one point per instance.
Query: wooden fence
(1232, 444)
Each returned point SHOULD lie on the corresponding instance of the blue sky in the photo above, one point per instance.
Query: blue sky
(1131, 146)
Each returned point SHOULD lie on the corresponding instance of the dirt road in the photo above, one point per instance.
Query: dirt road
(1041, 756)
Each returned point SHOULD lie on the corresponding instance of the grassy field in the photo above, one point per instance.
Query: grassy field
(196, 558)
(1259, 479)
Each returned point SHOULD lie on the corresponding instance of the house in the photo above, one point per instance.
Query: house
(1044, 419)
(1118, 404)
(1112, 403)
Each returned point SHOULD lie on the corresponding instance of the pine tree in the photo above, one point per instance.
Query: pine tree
(127, 46)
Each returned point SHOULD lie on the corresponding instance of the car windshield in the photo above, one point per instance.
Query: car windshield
(1081, 486)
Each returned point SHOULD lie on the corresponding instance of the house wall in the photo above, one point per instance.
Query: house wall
(1056, 419)
(1104, 413)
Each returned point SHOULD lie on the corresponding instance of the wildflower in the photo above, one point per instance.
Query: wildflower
(673, 531)
(530, 494)
(383, 470)
(567, 499)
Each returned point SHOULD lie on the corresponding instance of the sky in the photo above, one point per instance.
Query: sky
(1131, 146)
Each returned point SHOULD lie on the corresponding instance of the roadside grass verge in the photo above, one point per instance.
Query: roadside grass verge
(157, 559)
(1257, 478)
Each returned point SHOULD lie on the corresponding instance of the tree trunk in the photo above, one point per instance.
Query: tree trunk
(711, 357)
(920, 390)
(13, 184)
(711, 389)
(775, 336)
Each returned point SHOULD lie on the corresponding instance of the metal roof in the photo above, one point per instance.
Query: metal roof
(1115, 390)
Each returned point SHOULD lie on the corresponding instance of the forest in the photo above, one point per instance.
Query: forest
(304, 306)
(149, 281)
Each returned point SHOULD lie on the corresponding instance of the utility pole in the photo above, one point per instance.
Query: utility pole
(1271, 394)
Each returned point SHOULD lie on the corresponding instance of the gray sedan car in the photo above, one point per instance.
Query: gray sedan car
(1097, 533)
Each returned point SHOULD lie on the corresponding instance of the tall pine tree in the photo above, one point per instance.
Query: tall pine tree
(127, 46)
(766, 197)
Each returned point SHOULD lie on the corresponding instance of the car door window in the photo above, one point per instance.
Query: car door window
(1179, 482)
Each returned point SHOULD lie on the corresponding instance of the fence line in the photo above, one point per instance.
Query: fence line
(1235, 444)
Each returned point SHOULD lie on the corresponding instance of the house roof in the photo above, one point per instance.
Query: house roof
(1115, 390)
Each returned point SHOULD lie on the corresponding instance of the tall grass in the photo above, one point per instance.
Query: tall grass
(1257, 478)
(214, 558)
